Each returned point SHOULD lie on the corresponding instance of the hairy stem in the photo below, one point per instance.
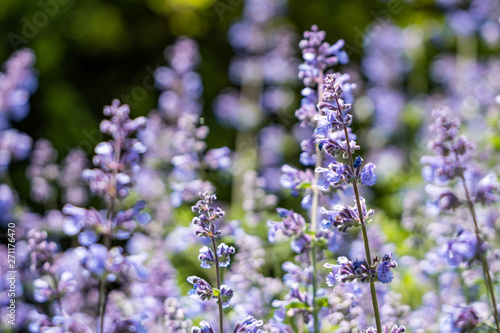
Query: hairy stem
(101, 307)
(373, 291)
(314, 220)
(221, 311)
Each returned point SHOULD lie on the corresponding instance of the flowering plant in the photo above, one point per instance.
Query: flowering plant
(337, 220)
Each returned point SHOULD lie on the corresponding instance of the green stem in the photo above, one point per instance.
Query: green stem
(464, 286)
(221, 311)
(363, 226)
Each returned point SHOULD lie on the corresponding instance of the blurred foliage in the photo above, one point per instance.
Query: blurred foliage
(89, 52)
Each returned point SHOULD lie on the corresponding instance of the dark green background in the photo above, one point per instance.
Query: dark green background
(92, 51)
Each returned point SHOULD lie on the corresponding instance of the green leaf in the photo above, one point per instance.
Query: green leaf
(296, 304)
(216, 292)
(311, 232)
(304, 185)
(322, 301)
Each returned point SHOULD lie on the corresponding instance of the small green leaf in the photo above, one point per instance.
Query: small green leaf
(304, 185)
(322, 242)
(296, 304)
(216, 292)
(322, 301)
(311, 232)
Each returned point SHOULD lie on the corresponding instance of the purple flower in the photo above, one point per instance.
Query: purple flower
(293, 224)
(42, 251)
(294, 179)
(43, 291)
(345, 217)
(248, 325)
(13, 146)
(201, 289)
(80, 218)
(395, 329)
(218, 159)
(206, 257)
(467, 319)
(384, 269)
(224, 254)
(357, 162)
(335, 144)
(452, 153)
(95, 259)
(16, 85)
(207, 215)
(57, 324)
(117, 159)
(368, 176)
(459, 319)
(446, 199)
(135, 323)
(204, 328)
(301, 243)
(486, 190)
(348, 271)
(175, 320)
(7, 203)
(226, 294)
(336, 174)
(87, 238)
(333, 108)
(308, 155)
(318, 55)
(462, 249)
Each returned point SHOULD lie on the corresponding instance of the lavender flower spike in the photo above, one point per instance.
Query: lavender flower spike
(218, 256)
(452, 160)
(334, 117)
